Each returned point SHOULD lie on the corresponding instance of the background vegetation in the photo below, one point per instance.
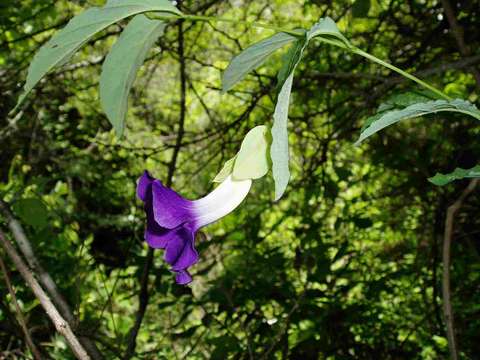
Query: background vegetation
(347, 265)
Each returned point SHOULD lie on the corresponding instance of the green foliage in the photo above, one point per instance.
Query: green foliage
(361, 8)
(121, 65)
(347, 265)
(279, 151)
(60, 48)
(459, 173)
(327, 28)
(253, 57)
(32, 211)
(390, 117)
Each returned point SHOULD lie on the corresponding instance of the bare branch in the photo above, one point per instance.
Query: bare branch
(21, 319)
(44, 277)
(61, 325)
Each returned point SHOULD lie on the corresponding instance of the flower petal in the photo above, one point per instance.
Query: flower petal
(183, 277)
(180, 251)
(169, 208)
(221, 201)
(158, 237)
(144, 185)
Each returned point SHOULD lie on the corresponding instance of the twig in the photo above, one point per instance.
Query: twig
(44, 277)
(61, 325)
(143, 297)
(21, 319)
(447, 241)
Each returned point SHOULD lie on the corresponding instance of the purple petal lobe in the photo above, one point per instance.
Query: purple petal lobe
(183, 277)
(158, 238)
(180, 251)
(170, 210)
(144, 185)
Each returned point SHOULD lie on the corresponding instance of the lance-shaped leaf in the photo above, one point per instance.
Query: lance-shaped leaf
(279, 152)
(226, 170)
(80, 29)
(252, 57)
(326, 27)
(252, 159)
(459, 173)
(381, 121)
(121, 65)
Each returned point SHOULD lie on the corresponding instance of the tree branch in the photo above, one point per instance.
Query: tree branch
(44, 277)
(21, 319)
(447, 241)
(61, 325)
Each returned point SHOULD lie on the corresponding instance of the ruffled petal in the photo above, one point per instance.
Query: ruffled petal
(170, 210)
(144, 185)
(158, 237)
(180, 252)
(183, 277)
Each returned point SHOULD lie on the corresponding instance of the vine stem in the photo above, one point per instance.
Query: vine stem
(226, 20)
(374, 59)
(334, 42)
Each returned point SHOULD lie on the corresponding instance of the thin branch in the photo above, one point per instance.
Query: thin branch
(21, 319)
(44, 277)
(447, 241)
(61, 325)
(143, 296)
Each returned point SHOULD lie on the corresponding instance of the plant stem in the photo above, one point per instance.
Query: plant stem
(374, 59)
(326, 40)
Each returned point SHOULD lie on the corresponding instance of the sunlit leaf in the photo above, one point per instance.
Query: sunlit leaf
(80, 29)
(226, 170)
(459, 173)
(252, 57)
(121, 65)
(252, 159)
(381, 121)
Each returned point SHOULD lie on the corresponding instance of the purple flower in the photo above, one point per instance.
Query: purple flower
(172, 221)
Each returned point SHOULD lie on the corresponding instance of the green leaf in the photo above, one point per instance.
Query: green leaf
(59, 49)
(326, 27)
(406, 99)
(226, 170)
(252, 57)
(279, 152)
(458, 173)
(252, 159)
(32, 211)
(361, 8)
(291, 60)
(416, 110)
(121, 65)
